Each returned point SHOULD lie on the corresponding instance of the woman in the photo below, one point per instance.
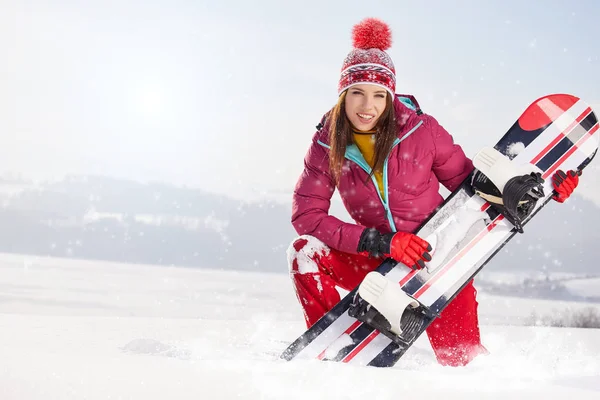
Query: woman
(387, 159)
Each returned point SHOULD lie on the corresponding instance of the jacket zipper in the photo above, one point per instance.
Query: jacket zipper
(363, 164)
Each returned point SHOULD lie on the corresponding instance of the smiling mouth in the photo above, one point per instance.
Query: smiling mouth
(365, 117)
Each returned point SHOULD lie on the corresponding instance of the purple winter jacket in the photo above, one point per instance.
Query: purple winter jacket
(424, 155)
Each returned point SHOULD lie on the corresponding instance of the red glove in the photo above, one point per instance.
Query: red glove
(410, 250)
(564, 184)
(403, 247)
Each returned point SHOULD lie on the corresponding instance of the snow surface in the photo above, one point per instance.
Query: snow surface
(585, 287)
(74, 329)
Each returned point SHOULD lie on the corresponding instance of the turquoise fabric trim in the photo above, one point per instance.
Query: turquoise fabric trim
(353, 154)
(407, 102)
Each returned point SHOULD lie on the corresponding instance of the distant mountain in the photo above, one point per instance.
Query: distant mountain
(110, 219)
(542, 285)
(103, 218)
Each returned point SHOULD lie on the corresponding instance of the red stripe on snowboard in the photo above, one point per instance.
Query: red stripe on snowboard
(583, 139)
(561, 136)
(457, 257)
(348, 331)
(361, 346)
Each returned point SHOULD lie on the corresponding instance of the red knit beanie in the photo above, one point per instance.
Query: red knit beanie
(368, 62)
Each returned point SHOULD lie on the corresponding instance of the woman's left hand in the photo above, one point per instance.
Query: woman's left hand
(564, 184)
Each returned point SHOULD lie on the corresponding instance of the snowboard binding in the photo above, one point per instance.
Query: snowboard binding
(386, 307)
(510, 190)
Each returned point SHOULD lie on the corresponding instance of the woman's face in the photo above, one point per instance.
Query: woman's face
(364, 105)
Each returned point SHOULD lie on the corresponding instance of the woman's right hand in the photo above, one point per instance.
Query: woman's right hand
(404, 247)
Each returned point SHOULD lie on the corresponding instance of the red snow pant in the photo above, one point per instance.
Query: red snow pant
(316, 269)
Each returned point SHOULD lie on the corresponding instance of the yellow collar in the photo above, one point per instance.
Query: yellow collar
(358, 132)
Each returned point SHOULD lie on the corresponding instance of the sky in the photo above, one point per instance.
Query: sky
(225, 95)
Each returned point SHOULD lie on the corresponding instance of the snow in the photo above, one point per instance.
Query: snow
(76, 329)
(337, 345)
(585, 287)
(515, 148)
(447, 237)
(305, 254)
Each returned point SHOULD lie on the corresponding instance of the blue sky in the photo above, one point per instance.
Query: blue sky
(225, 95)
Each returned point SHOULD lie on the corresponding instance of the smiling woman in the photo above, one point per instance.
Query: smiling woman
(387, 158)
(389, 184)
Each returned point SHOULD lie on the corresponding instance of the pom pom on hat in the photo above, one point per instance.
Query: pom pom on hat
(372, 33)
(368, 62)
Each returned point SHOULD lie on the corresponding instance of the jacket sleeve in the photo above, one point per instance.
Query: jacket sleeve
(450, 164)
(312, 200)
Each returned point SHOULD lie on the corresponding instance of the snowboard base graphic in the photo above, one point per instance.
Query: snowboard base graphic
(558, 131)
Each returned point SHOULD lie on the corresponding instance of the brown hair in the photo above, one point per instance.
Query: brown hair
(340, 136)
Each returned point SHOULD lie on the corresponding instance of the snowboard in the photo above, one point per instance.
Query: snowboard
(557, 131)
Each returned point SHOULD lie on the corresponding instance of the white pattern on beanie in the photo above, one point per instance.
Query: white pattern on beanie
(368, 62)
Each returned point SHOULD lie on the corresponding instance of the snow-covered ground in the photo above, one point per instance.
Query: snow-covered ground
(73, 329)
